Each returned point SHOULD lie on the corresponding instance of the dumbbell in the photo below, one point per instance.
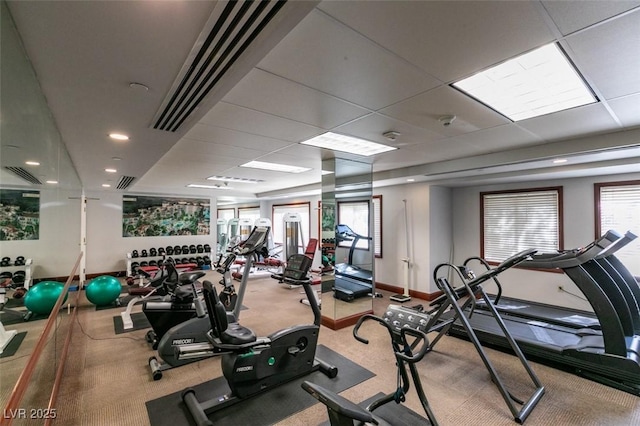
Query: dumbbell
(185, 249)
(207, 248)
(19, 261)
(161, 251)
(177, 250)
(153, 252)
(144, 263)
(5, 275)
(6, 261)
(135, 253)
(153, 263)
(19, 277)
(200, 248)
(144, 253)
(193, 249)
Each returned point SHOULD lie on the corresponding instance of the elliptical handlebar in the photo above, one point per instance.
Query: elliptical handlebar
(401, 346)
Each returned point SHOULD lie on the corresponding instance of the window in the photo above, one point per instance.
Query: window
(226, 214)
(252, 213)
(512, 221)
(277, 219)
(618, 208)
(355, 214)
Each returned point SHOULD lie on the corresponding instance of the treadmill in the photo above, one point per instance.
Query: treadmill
(351, 282)
(608, 353)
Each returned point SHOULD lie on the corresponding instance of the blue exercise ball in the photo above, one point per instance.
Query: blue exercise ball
(103, 290)
(42, 297)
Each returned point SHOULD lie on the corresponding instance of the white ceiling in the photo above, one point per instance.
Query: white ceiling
(354, 67)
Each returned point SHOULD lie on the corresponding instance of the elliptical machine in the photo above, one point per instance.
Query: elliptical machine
(343, 412)
(252, 365)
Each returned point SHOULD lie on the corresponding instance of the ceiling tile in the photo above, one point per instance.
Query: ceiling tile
(448, 39)
(627, 109)
(229, 116)
(573, 15)
(609, 55)
(218, 135)
(424, 111)
(499, 138)
(574, 122)
(284, 98)
(328, 56)
(372, 126)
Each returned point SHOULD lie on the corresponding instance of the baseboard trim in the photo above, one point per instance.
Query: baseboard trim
(337, 324)
(413, 293)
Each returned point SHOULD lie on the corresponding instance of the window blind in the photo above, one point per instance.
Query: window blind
(620, 211)
(517, 221)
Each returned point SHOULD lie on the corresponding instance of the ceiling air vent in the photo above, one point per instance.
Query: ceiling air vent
(238, 25)
(22, 173)
(124, 182)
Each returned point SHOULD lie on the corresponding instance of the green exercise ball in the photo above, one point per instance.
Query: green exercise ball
(42, 297)
(103, 290)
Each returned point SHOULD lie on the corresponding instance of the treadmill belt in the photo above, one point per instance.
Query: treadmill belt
(565, 317)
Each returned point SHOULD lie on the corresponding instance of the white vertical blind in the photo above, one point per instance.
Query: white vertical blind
(517, 221)
(620, 211)
(251, 213)
(377, 225)
(355, 214)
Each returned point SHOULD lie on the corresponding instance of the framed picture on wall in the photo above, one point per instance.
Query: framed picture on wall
(144, 216)
(19, 215)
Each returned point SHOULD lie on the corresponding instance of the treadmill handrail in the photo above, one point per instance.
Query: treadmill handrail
(576, 257)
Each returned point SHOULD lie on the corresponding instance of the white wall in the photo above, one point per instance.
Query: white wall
(107, 248)
(579, 230)
(429, 233)
(55, 252)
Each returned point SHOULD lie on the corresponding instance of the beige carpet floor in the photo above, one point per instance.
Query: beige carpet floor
(107, 380)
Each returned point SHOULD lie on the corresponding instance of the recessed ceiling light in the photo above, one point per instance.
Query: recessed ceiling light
(327, 172)
(116, 158)
(197, 185)
(119, 136)
(110, 170)
(411, 180)
(232, 179)
(540, 82)
(31, 163)
(106, 185)
(275, 167)
(52, 182)
(560, 161)
(348, 144)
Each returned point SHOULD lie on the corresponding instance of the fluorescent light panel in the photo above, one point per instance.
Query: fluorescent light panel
(232, 179)
(197, 185)
(348, 144)
(275, 167)
(540, 82)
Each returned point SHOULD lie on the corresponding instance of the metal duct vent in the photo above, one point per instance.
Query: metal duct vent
(124, 182)
(22, 173)
(239, 23)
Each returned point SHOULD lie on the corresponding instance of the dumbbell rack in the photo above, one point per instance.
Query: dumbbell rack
(13, 268)
(130, 259)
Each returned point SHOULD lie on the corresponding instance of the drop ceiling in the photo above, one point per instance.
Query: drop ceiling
(360, 68)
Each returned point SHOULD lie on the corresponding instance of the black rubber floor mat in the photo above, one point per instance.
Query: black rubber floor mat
(266, 408)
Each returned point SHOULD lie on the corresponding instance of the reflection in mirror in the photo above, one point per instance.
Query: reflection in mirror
(45, 232)
(346, 229)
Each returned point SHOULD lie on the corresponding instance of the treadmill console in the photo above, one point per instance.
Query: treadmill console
(400, 317)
